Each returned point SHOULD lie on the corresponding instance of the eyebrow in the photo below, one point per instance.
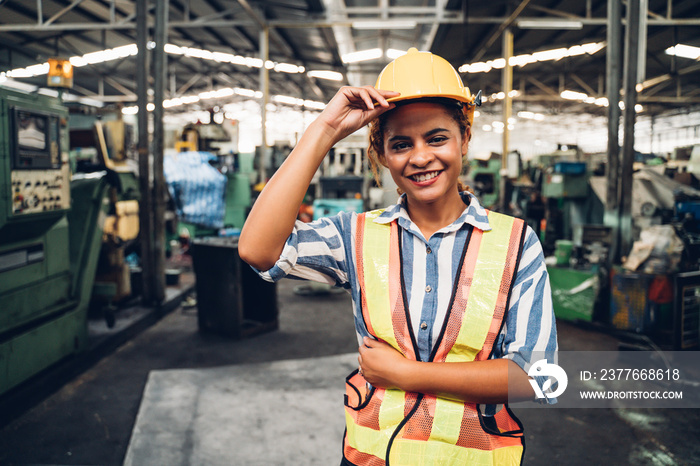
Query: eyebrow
(425, 135)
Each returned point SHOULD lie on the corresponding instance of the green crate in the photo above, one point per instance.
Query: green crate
(573, 293)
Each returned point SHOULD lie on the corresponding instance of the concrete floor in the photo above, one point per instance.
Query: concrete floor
(91, 419)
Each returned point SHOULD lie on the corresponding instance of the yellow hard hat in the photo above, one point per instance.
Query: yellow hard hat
(422, 74)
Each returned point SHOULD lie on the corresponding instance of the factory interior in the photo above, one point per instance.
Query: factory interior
(136, 136)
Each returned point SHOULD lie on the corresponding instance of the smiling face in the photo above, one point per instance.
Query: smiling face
(423, 148)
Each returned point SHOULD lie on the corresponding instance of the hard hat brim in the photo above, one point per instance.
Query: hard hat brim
(460, 98)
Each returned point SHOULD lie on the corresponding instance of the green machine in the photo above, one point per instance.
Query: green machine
(50, 235)
(486, 176)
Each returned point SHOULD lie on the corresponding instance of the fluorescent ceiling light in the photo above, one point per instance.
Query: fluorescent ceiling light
(526, 59)
(573, 95)
(549, 55)
(227, 92)
(110, 54)
(288, 68)
(550, 24)
(394, 53)
(362, 55)
(220, 93)
(128, 50)
(530, 115)
(600, 101)
(479, 67)
(385, 24)
(498, 63)
(326, 74)
(685, 51)
(289, 100)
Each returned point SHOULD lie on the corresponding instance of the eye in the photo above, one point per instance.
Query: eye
(438, 139)
(400, 146)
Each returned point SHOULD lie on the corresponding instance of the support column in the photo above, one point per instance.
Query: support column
(629, 117)
(146, 204)
(612, 72)
(161, 76)
(507, 79)
(265, 90)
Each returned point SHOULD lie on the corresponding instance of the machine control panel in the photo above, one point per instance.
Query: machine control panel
(39, 191)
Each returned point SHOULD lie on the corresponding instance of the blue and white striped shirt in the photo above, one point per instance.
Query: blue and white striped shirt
(324, 251)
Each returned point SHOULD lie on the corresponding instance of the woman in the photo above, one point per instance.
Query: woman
(450, 300)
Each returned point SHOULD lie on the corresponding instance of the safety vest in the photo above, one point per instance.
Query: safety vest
(397, 428)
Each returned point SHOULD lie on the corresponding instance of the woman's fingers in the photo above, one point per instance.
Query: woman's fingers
(372, 343)
(354, 107)
(369, 96)
(369, 105)
(380, 95)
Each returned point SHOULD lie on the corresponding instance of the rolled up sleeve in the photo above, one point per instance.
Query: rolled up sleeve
(314, 251)
(529, 333)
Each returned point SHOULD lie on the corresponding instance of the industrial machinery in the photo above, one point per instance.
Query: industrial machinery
(49, 238)
(484, 177)
(212, 137)
(108, 144)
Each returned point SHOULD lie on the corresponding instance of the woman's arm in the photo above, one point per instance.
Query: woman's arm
(272, 218)
(492, 381)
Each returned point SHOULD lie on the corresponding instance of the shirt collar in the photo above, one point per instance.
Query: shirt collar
(474, 214)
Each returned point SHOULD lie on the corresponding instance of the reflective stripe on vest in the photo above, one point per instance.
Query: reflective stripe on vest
(423, 429)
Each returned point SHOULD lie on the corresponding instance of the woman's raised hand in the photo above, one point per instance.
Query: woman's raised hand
(353, 107)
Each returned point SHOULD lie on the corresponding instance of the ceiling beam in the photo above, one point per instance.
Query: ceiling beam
(499, 30)
(62, 12)
(582, 83)
(542, 86)
(33, 27)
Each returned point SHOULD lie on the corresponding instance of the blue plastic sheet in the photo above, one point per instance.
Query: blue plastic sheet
(197, 189)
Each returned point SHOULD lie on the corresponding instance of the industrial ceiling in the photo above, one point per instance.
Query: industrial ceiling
(213, 44)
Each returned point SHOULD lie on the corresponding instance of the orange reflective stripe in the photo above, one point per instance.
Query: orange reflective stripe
(471, 425)
(357, 457)
(398, 314)
(359, 247)
(415, 428)
(506, 422)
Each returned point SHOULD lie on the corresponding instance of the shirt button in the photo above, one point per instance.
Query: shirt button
(428, 250)
(423, 325)
(428, 289)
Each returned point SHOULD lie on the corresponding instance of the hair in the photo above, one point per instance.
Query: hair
(375, 151)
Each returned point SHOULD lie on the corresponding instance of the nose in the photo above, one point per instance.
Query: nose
(421, 155)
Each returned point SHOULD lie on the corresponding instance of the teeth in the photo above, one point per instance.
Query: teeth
(425, 176)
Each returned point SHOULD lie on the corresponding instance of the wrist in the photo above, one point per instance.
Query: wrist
(322, 134)
(407, 374)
